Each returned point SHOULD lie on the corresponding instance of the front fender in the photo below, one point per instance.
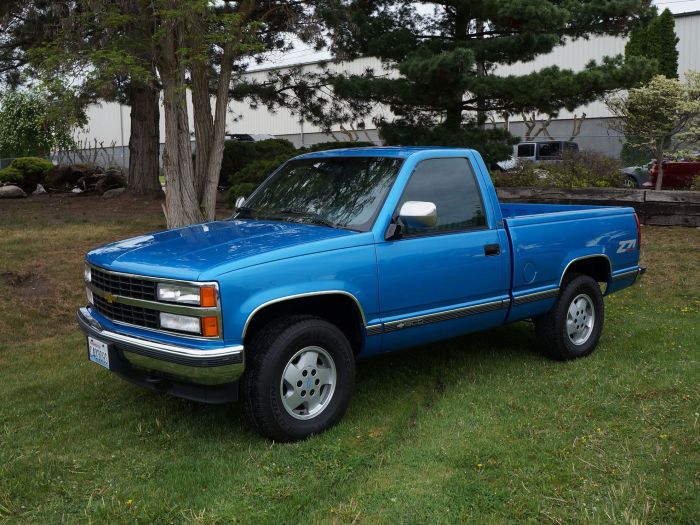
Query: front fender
(349, 271)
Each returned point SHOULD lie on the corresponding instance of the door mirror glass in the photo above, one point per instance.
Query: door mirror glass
(240, 201)
(419, 214)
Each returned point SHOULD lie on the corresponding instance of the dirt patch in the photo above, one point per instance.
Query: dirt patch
(28, 284)
(61, 208)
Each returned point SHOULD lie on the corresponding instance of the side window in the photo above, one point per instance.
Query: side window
(526, 150)
(451, 186)
(550, 150)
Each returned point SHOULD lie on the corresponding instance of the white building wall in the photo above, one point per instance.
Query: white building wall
(244, 119)
(109, 123)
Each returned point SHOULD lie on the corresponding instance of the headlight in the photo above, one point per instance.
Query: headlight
(187, 294)
(87, 274)
(181, 323)
(179, 293)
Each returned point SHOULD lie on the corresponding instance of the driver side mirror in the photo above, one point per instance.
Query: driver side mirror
(240, 201)
(418, 214)
(413, 214)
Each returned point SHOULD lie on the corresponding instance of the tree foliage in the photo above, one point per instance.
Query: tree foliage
(195, 46)
(660, 117)
(26, 172)
(260, 159)
(656, 40)
(36, 121)
(41, 38)
(307, 93)
(446, 62)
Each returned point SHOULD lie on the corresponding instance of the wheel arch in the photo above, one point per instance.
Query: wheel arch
(339, 307)
(598, 266)
(635, 177)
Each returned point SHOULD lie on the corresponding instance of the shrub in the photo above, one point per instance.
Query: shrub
(11, 175)
(695, 185)
(243, 189)
(238, 154)
(323, 146)
(27, 172)
(250, 177)
(585, 169)
(259, 159)
(525, 174)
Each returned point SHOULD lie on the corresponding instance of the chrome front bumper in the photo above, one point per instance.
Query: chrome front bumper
(213, 366)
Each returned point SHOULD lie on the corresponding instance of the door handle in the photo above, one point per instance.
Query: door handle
(492, 249)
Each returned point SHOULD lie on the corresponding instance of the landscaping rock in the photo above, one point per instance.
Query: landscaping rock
(89, 182)
(11, 192)
(39, 190)
(110, 194)
(112, 179)
(66, 177)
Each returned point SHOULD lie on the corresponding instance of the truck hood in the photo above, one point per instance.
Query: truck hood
(203, 251)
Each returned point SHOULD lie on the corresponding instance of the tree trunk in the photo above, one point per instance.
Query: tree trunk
(216, 146)
(144, 140)
(659, 170)
(203, 125)
(480, 72)
(209, 179)
(181, 206)
(453, 117)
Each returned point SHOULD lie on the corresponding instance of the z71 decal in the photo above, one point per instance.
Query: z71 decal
(627, 246)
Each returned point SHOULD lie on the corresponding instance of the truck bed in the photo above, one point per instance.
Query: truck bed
(546, 238)
(518, 210)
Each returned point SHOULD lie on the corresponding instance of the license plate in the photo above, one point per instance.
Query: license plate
(98, 352)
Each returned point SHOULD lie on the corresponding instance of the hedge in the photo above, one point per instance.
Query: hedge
(260, 159)
(26, 172)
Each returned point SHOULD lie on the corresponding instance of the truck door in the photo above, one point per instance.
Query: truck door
(448, 279)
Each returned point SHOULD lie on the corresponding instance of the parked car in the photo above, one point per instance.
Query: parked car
(249, 137)
(678, 175)
(636, 176)
(342, 255)
(542, 151)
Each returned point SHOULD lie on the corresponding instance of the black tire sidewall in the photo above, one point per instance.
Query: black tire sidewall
(310, 332)
(581, 284)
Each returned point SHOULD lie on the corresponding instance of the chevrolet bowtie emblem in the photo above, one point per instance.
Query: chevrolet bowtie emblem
(110, 298)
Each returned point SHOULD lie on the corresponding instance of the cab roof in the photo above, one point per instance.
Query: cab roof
(401, 152)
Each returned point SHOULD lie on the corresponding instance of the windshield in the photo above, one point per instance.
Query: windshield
(340, 192)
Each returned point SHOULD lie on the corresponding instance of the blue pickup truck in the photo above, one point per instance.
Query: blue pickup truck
(341, 255)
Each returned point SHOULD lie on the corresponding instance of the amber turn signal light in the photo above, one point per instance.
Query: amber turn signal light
(207, 296)
(210, 326)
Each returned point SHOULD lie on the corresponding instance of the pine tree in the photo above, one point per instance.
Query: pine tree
(662, 44)
(655, 39)
(446, 57)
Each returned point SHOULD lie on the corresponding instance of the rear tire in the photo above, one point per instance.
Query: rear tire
(299, 378)
(572, 328)
(630, 182)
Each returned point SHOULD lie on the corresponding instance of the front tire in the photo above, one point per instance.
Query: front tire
(572, 328)
(299, 378)
(630, 182)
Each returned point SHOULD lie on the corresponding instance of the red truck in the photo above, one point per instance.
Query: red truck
(677, 175)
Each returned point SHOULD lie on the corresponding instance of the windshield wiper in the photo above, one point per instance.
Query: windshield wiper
(312, 215)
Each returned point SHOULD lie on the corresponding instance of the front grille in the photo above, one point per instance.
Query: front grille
(124, 285)
(126, 313)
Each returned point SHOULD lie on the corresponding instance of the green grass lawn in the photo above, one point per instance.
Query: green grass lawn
(475, 430)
